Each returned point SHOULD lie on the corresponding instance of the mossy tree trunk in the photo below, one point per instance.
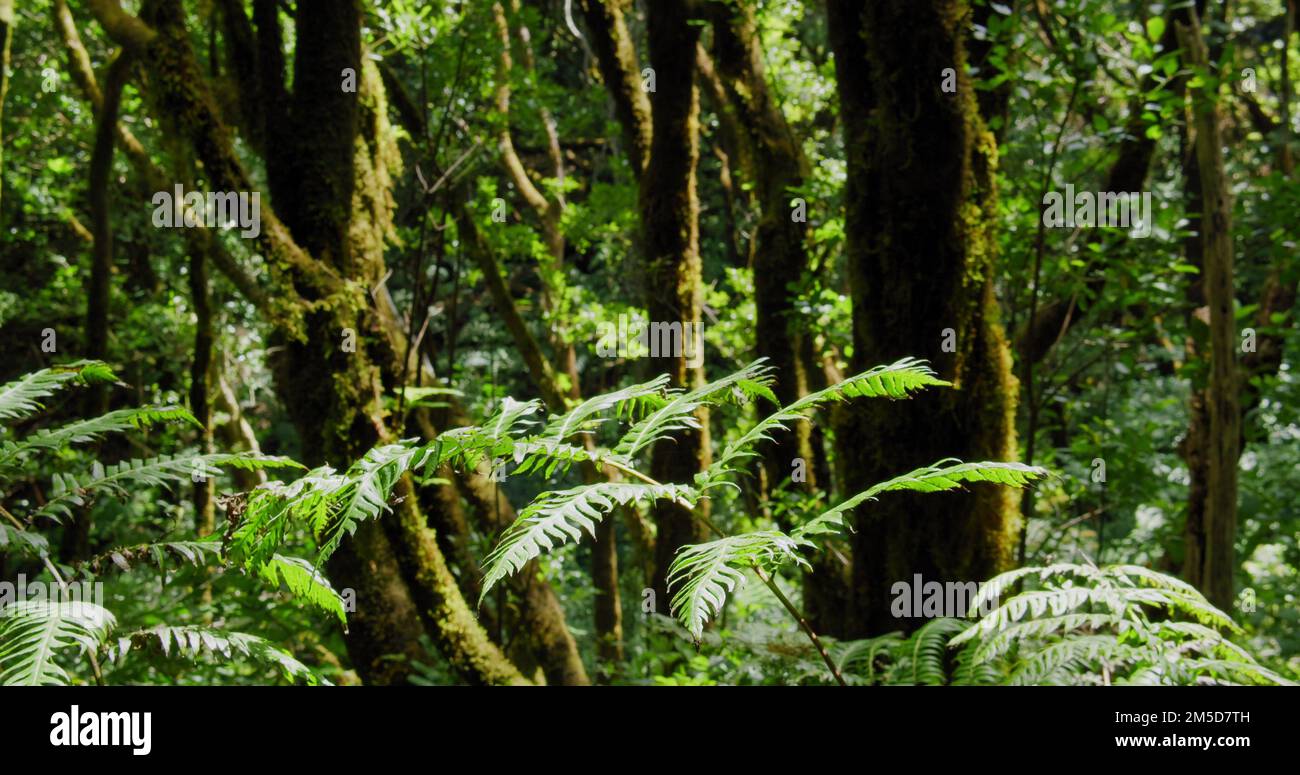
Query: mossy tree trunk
(670, 241)
(1210, 561)
(319, 307)
(920, 208)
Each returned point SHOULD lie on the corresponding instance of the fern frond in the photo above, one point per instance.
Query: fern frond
(195, 642)
(584, 417)
(897, 380)
(1072, 656)
(25, 541)
(1012, 635)
(559, 517)
(705, 573)
(68, 490)
(944, 475)
(678, 412)
(370, 484)
(929, 650)
(22, 397)
(991, 590)
(305, 581)
(84, 431)
(33, 632)
(859, 657)
(465, 447)
(1232, 671)
(329, 504)
(195, 553)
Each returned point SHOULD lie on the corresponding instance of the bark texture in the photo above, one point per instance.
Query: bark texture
(920, 208)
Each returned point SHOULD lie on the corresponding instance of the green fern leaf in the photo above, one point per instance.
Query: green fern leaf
(21, 398)
(33, 632)
(944, 475)
(195, 642)
(678, 412)
(305, 581)
(897, 380)
(85, 431)
(559, 517)
(703, 574)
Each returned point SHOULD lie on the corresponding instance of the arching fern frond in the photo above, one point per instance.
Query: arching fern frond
(196, 642)
(627, 402)
(85, 431)
(703, 574)
(897, 380)
(22, 397)
(1094, 625)
(929, 650)
(196, 553)
(119, 479)
(678, 412)
(559, 517)
(304, 581)
(944, 475)
(32, 633)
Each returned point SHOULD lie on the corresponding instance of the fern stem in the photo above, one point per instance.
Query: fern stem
(803, 623)
(762, 575)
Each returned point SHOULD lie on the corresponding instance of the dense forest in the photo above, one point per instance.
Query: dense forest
(572, 342)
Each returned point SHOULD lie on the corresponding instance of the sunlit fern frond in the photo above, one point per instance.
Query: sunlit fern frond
(944, 475)
(306, 582)
(464, 447)
(703, 574)
(22, 397)
(678, 412)
(896, 380)
(85, 431)
(1063, 660)
(120, 479)
(626, 402)
(1085, 624)
(33, 633)
(556, 518)
(1009, 636)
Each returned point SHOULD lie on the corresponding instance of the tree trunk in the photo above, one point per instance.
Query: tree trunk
(76, 534)
(616, 59)
(6, 34)
(920, 210)
(334, 393)
(1210, 562)
(670, 239)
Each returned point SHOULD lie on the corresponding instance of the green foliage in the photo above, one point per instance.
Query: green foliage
(1119, 624)
(559, 517)
(35, 633)
(32, 632)
(197, 642)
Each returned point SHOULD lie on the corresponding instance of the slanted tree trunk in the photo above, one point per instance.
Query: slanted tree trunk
(402, 583)
(920, 209)
(617, 62)
(1210, 562)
